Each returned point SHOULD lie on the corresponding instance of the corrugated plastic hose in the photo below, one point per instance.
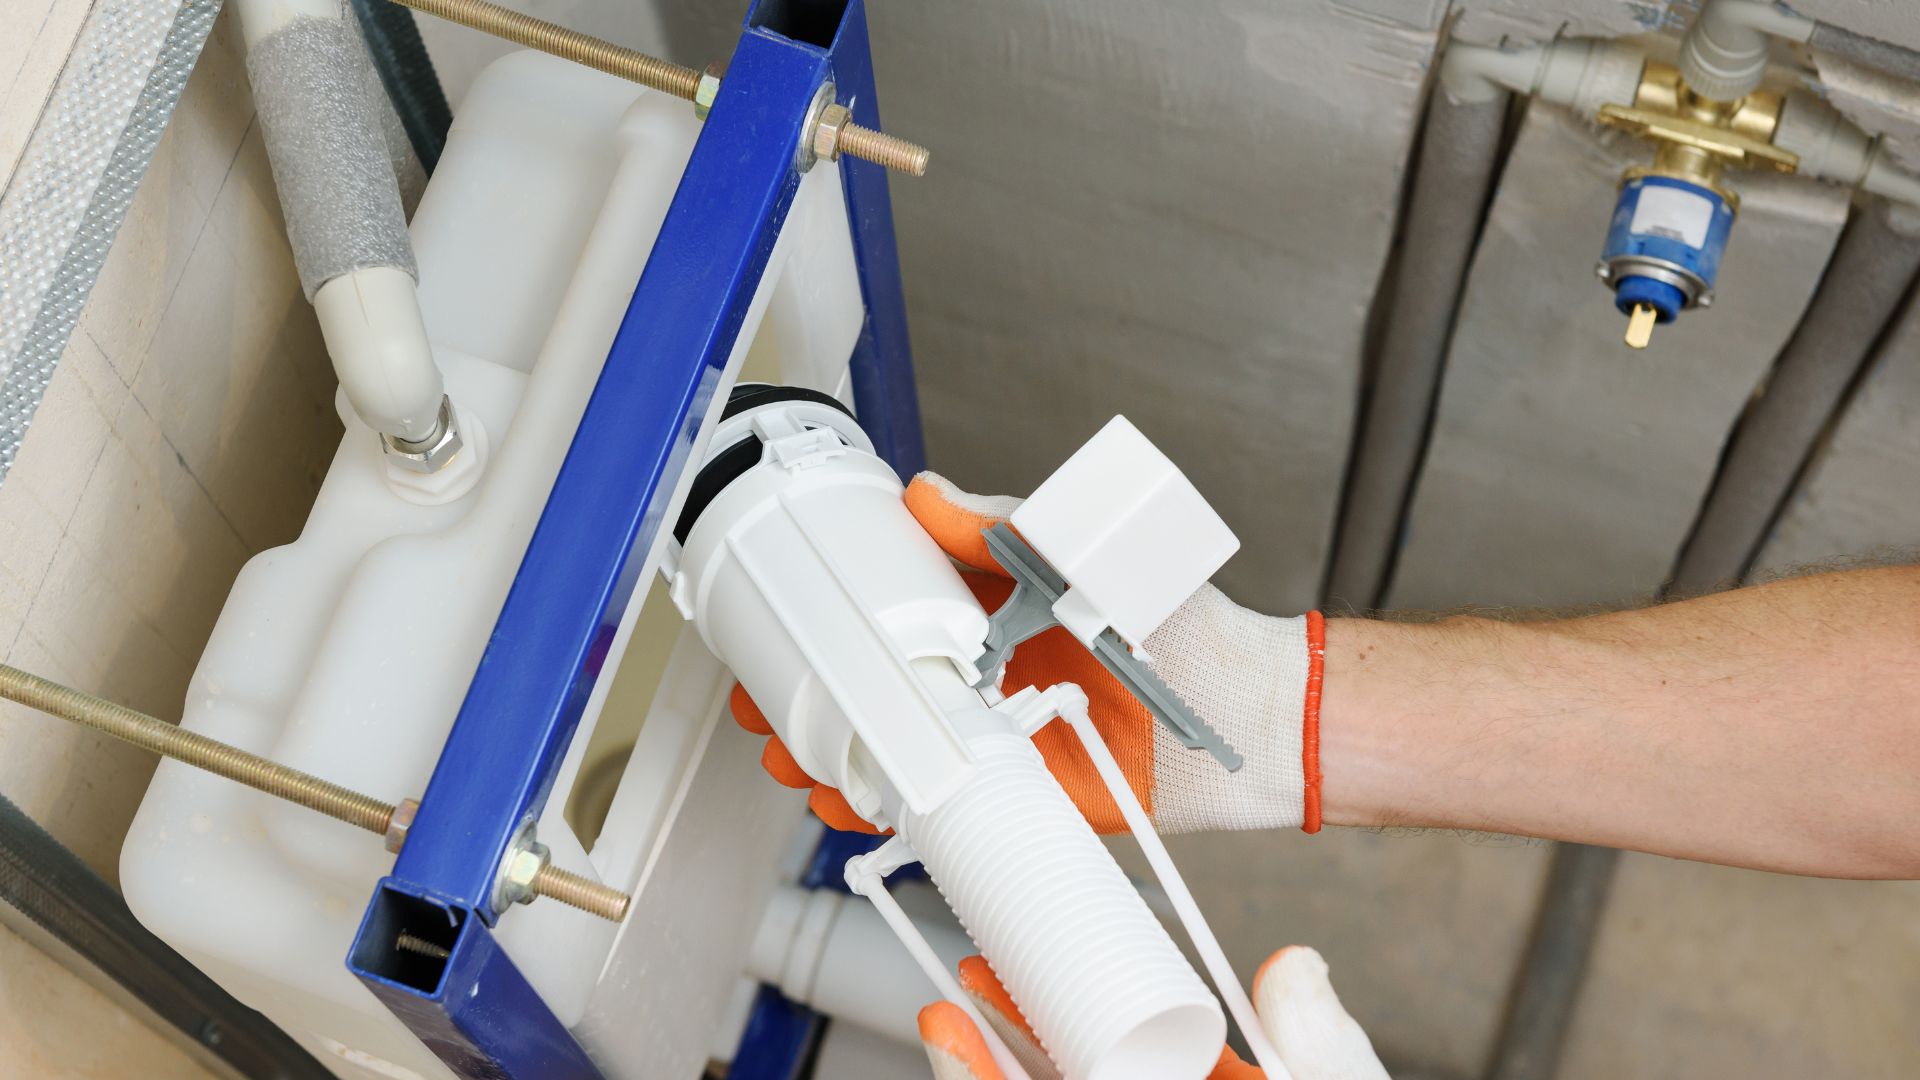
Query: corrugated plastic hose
(405, 69)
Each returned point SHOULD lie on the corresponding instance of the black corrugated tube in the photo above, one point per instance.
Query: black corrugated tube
(407, 72)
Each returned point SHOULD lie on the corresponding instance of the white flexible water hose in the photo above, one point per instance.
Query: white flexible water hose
(1074, 710)
(1066, 933)
(866, 873)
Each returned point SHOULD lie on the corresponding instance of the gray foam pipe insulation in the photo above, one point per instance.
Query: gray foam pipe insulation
(321, 112)
(1871, 272)
(1452, 180)
(1872, 52)
(331, 161)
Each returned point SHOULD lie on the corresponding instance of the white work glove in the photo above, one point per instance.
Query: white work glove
(1253, 678)
(1298, 1009)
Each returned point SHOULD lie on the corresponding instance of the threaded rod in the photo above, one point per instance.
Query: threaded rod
(261, 774)
(214, 756)
(649, 71)
(883, 149)
(584, 893)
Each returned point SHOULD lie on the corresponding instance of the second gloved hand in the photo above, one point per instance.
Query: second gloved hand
(1254, 678)
(1298, 1009)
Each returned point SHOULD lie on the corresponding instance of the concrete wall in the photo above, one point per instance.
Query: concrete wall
(1858, 497)
(1564, 468)
(1130, 211)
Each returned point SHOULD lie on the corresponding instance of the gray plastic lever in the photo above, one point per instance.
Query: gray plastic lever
(1030, 610)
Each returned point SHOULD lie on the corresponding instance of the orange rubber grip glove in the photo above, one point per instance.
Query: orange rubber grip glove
(1253, 677)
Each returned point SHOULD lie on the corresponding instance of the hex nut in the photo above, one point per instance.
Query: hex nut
(826, 133)
(400, 822)
(523, 865)
(707, 90)
(431, 454)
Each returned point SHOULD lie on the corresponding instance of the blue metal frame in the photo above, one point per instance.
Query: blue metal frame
(780, 1034)
(883, 388)
(663, 374)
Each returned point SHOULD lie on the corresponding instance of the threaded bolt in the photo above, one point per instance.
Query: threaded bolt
(214, 756)
(883, 149)
(365, 811)
(650, 71)
(555, 40)
(579, 892)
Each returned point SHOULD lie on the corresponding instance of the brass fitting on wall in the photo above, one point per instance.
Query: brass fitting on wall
(1697, 137)
(1672, 219)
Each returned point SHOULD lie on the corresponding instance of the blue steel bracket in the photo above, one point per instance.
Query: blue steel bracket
(474, 1008)
(882, 364)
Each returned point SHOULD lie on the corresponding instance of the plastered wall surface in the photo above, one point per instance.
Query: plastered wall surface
(1129, 211)
(1860, 496)
(1894, 21)
(1422, 930)
(1491, 22)
(1707, 971)
(1564, 468)
(183, 431)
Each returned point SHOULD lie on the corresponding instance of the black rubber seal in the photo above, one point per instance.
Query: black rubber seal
(734, 462)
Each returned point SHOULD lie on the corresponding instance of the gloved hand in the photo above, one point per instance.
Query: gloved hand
(1298, 1009)
(1254, 678)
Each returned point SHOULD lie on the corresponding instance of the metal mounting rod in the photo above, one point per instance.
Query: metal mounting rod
(649, 71)
(262, 774)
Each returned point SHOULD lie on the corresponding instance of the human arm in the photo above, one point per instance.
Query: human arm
(1775, 727)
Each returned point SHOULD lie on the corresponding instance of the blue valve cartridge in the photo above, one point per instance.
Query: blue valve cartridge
(1664, 247)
